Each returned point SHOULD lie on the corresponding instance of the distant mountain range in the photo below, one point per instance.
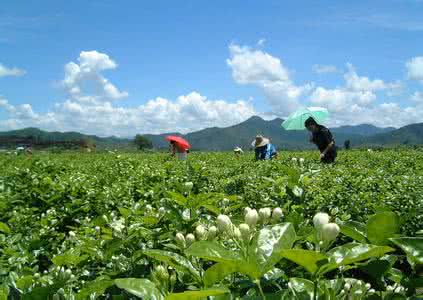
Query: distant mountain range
(242, 134)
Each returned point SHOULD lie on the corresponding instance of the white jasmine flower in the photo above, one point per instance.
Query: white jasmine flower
(180, 239)
(330, 231)
(189, 238)
(264, 213)
(223, 223)
(212, 233)
(200, 231)
(320, 219)
(245, 231)
(251, 217)
(277, 213)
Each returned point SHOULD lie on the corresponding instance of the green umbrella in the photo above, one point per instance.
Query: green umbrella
(296, 120)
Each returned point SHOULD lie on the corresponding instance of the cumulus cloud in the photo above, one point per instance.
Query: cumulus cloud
(323, 69)
(15, 72)
(90, 106)
(84, 80)
(187, 113)
(415, 68)
(362, 83)
(250, 66)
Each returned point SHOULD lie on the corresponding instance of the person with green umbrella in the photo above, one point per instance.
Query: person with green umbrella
(323, 139)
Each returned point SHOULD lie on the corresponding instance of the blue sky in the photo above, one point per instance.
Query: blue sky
(207, 63)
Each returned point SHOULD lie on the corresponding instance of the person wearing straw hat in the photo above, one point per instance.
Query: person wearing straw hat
(238, 151)
(264, 150)
(323, 139)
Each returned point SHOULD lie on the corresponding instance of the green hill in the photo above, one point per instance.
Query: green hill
(242, 134)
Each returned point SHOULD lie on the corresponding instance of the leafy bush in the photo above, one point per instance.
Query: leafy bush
(119, 226)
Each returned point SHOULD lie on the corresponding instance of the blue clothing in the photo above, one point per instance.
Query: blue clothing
(265, 152)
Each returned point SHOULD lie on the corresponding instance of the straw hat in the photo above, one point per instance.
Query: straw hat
(260, 141)
(238, 149)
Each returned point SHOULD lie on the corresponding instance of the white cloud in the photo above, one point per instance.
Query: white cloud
(415, 68)
(84, 82)
(417, 97)
(259, 68)
(15, 72)
(188, 113)
(362, 83)
(90, 107)
(261, 42)
(341, 100)
(322, 69)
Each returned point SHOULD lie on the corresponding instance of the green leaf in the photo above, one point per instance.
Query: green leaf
(352, 253)
(4, 228)
(354, 230)
(197, 295)
(265, 249)
(219, 271)
(69, 258)
(24, 282)
(142, 288)
(4, 292)
(175, 260)
(178, 198)
(303, 287)
(376, 269)
(212, 251)
(381, 227)
(96, 288)
(124, 212)
(305, 258)
(413, 247)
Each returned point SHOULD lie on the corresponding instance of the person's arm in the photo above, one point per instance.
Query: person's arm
(331, 143)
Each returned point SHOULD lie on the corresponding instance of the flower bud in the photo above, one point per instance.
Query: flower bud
(37, 276)
(264, 213)
(224, 223)
(246, 210)
(180, 239)
(301, 160)
(277, 214)
(61, 291)
(245, 231)
(294, 159)
(72, 234)
(320, 219)
(367, 286)
(212, 233)
(200, 232)
(162, 210)
(148, 207)
(347, 287)
(189, 238)
(188, 186)
(330, 231)
(162, 272)
(236, 232)
(372, 291)
(251, 218)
